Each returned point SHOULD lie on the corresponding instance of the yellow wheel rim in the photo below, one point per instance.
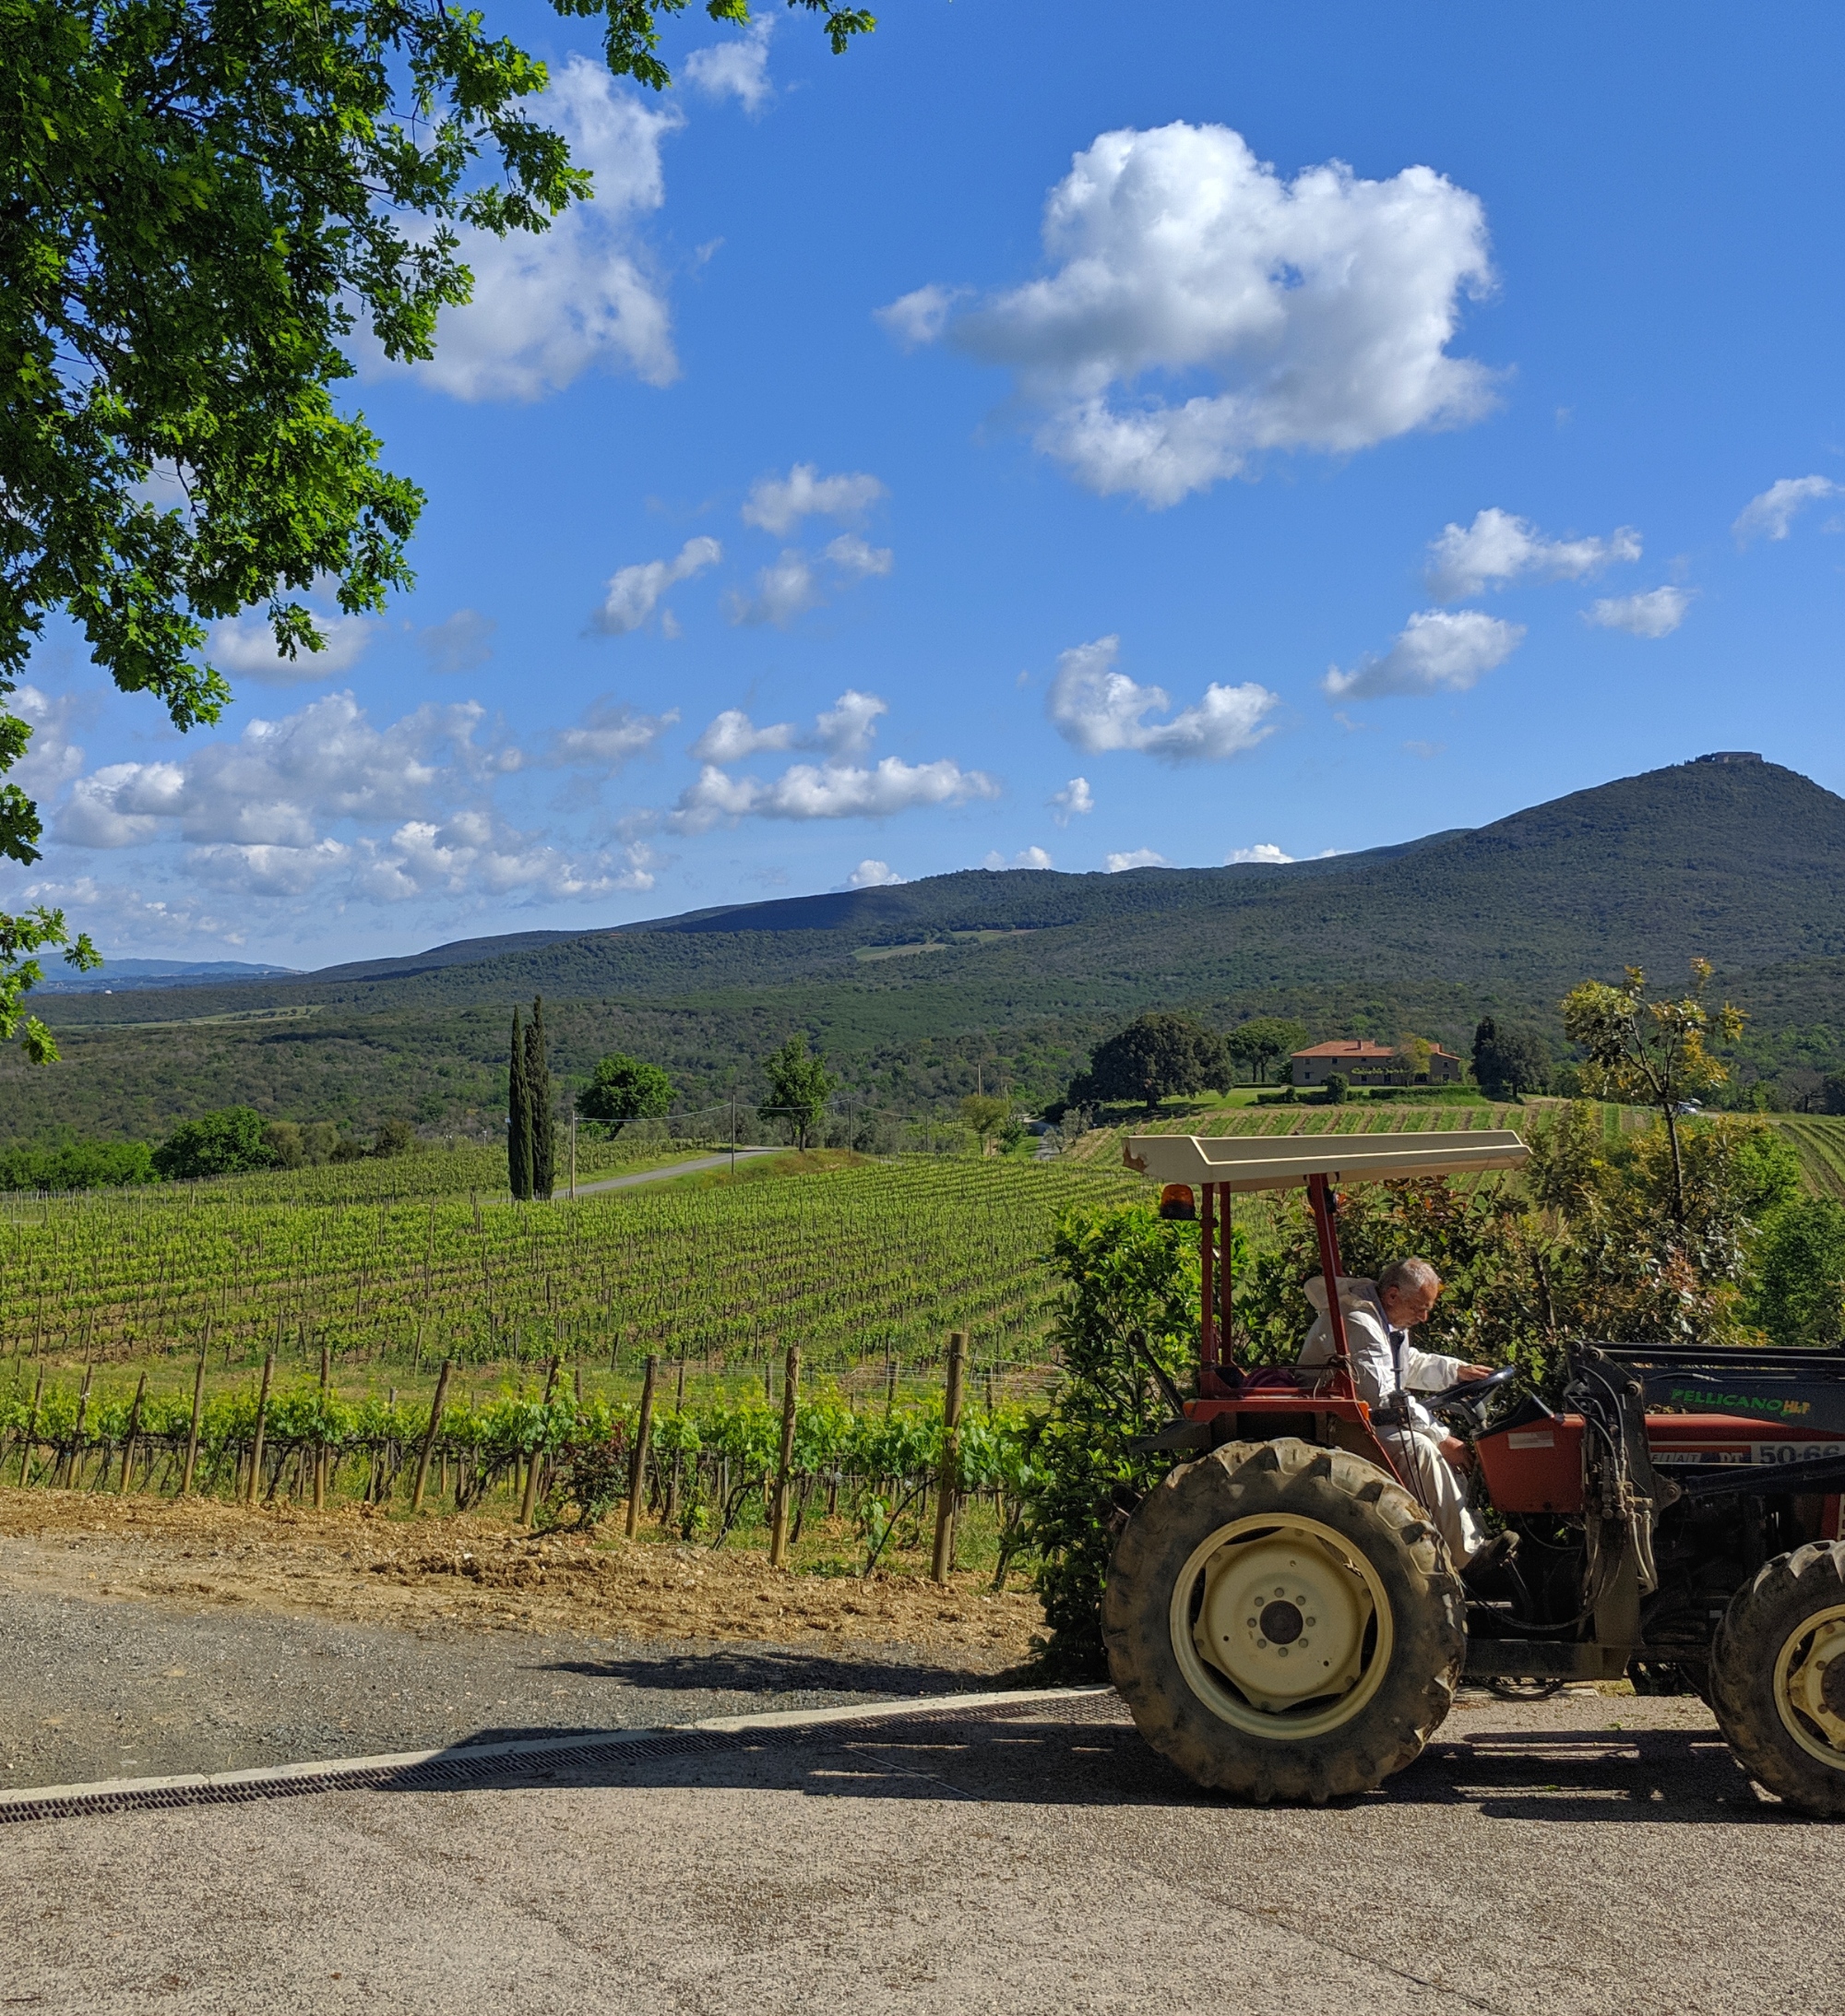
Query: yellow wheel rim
(1280, 1627)
(1810, 1685)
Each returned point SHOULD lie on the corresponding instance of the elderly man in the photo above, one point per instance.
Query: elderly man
(1387, 1366)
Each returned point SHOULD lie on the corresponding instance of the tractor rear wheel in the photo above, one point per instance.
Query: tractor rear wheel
(1778, 1677)
(1284, 1622)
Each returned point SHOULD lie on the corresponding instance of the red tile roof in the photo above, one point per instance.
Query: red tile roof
(1347, 1047)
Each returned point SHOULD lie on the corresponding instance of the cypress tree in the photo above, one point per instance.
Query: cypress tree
(518, 1118)
(538, 1105)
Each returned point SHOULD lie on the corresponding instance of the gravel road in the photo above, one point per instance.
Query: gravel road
(1591, 1854)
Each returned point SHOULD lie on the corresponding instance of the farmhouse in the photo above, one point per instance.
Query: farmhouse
(1362, 1063)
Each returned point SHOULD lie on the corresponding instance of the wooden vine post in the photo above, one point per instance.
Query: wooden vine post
(791, 1390)
(430, 1434)
(949, 1482)
(134, 1434)
(320, 1440)
(535, 1458)
(643, 1435)
(262, 1418)
(192, 1432)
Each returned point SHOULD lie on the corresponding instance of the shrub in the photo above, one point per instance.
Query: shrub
(1798, 1289)
(79, 1165)
(622, 1089)
(395, 1138)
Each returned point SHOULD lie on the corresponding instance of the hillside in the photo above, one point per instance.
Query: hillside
(915, 985)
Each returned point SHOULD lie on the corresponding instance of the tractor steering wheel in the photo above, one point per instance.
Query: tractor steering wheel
(1470, 1392)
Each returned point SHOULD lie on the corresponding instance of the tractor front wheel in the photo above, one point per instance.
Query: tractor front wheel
(1284, 1622)
(1778, 1677)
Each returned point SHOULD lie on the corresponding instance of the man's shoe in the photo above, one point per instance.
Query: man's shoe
(1496, 1553)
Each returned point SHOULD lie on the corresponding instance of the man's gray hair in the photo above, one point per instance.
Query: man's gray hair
(1408, 1277)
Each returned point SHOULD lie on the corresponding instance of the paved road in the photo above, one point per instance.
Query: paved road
(1587, 1855)
(128, 1689)
(696, 1166)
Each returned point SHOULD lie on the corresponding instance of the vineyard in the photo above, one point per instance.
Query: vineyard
(1821, 1144)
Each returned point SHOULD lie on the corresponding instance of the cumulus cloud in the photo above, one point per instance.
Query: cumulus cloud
(610, 733)
(783, 590)
(1096, 708)
(1265, 852)
(581, 296)
(634, 592)
(920, 316)
(1141, 857)
(1029, 857)
(873, 875)
(51, 757)
(1438, 650)
(128, 921)
(738, 68)
(1658, 613)
(246, 646)
(1073, 802)
(733, 736)
(281, 783)
(847, 727)
(1497, 548)
(1771, 515)
(857, 560)
(459, 642)
(1200, 309)
(778, 504)
(826, 791)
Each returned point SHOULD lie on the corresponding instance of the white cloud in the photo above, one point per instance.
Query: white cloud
(126, 921)
(1657, 613)
(1142, 857)
(1073, 802)
(873, 875)
(1029, 857)
(52, 758)
(733, 736)
(610, 733)
(1097, 708)
(828, 791)
(634, 592)
(736, 69)
(778, 504)
(920, 316)
(280, 783)
(459, 642)
(581, 296)
(1771, 515)
(1497, 548)
(1265, 850)
(783, 590)
(848, 726)
(855, 560)
(1437, 650)
(246, 646)
(1200, 310)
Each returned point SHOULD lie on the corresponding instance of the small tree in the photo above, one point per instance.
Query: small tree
(1263, 1041)
(518, 1118)
(1652, 1053)
(799, 1086)
(989, 1115)
(1412, 1053)
(538, 1104)
(1799, 1290)
(394, 1138)
(1337, 1087)
(622, 1089)
(215, 1144)
(1832, 1092)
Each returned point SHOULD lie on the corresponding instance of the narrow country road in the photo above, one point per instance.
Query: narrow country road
(696, 1166)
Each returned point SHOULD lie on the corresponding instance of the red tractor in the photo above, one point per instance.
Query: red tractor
(1282, 1616)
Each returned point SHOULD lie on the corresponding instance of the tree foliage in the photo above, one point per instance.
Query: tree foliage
(1156, 1056)
(1797, 1293)
(215, 1144)
(1508, 1060)
(799, 1086)
(1264, 1040)
(519, 1115)
(622, 1089)
(206, 199)
(1650, 1052)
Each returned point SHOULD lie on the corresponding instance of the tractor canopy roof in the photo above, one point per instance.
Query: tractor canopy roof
(1248, 1163)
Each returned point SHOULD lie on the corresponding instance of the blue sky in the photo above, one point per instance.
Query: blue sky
(1307, 427)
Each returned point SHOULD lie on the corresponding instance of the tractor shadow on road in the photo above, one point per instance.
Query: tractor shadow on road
(755, 1671)
(1513, 1774)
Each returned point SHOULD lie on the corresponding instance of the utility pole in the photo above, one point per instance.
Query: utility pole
(573, 1154)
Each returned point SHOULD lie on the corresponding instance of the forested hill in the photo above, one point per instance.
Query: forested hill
(1743, 863)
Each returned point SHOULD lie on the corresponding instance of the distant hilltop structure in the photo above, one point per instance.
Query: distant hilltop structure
(1729, 756)
(1362, 1063)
